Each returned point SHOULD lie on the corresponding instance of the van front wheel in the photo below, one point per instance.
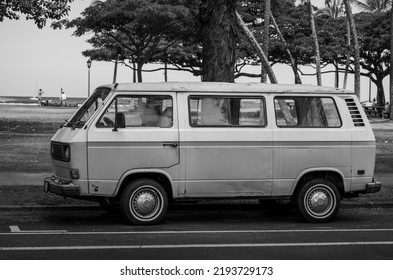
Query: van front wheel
(144, 202)
(318, 201)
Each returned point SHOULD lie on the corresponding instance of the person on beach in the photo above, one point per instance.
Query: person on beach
(387, 110)
(40, 93)
(62, 98)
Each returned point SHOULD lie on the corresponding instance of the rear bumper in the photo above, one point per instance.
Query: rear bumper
(61, 187)
(374, 186)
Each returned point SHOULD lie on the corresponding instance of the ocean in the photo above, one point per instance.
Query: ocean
(26, 100)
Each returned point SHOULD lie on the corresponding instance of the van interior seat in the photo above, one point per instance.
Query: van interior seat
(166, 119)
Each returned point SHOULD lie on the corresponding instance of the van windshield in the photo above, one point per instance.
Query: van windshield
(88, 108)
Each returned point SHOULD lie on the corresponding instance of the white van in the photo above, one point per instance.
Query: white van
(141, 146)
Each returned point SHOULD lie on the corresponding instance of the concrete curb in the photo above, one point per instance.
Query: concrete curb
(49, 207)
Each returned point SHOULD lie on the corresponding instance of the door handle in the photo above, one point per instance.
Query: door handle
(170, 144)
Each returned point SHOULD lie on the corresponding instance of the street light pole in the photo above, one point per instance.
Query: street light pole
(88, 77)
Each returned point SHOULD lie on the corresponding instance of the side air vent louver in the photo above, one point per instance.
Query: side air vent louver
(354, 111)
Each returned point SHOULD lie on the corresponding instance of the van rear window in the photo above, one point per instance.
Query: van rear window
(306, 112)
(221, 111)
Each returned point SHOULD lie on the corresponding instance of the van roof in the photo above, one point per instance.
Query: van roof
(225, 87)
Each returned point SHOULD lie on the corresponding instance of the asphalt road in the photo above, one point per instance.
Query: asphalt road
(196, 232)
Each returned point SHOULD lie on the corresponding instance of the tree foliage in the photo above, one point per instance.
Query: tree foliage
(37, 10)
(135, 29)
(169, 31)
(374, 41)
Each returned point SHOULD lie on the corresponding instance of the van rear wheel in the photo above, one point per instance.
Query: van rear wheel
(144, 202)
(318, 201)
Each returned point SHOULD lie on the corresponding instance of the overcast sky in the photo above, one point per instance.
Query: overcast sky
(33, 59)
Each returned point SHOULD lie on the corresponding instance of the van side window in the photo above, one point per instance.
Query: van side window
(306, 112)
(138, 111)
(227, 111)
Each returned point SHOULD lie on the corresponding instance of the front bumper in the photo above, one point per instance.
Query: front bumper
(374, 186)
(61, 187)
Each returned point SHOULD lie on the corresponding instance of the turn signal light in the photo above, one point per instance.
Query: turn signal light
(74, 173)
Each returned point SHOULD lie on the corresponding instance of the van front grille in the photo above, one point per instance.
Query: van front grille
(58, 151)
(354, 111)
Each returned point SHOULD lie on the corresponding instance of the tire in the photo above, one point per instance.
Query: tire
(318, 201)
(144, 202)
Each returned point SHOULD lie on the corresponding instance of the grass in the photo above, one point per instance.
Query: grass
(25, 133)
(25, 152)
(384, 157)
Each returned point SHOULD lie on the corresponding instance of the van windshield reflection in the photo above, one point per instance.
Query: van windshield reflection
(81, 117)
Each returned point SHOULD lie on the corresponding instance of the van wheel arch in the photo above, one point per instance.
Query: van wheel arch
(331, 176)
(318, 196)
(159, 177)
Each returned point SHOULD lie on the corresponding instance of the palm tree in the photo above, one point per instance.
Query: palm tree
(316, 44)
(333, 8)
(292, 61)
(336, 9)
(355, 44)
(391, 64)
(315, 39)
(257, 48)
(373, 5)
(265, 38)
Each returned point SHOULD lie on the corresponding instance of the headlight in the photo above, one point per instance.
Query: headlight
(60, 151)
(67, 153)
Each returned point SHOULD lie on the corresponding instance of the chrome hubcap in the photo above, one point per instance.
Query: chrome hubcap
(320, 201)
(145, 202)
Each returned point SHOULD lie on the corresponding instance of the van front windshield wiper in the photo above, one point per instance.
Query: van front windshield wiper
(78, 124)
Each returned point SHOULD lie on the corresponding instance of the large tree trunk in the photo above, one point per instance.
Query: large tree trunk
(336, 75)
(133, 72)
(316, 44)
(266, 38)
(257, 48)
(293, 63)
(139, 66)
(355, 44)
(217, 19)
(115, 71)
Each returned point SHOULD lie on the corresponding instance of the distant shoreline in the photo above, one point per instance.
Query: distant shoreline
(28, 100)
(17, 104)
(33, 101)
